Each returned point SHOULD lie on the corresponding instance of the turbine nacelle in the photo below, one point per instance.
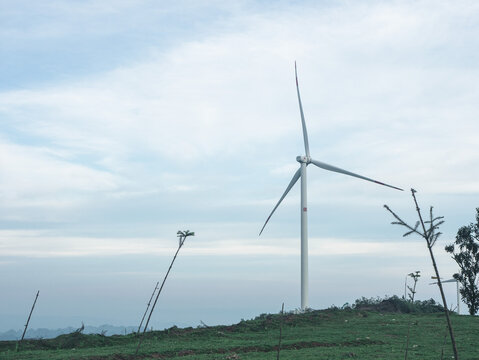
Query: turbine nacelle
(303, 159)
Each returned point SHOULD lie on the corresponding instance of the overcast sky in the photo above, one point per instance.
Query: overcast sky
(122, 122)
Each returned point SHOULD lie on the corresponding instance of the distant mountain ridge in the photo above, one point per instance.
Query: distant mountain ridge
(53, 333)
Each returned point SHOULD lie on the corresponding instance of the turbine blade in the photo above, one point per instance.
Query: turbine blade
(446, 281)
(303, 122)
(295, 178)
(341, 171)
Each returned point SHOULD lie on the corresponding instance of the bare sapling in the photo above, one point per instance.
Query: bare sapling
(412, 292)
(443, 344)
(431, 235)
(29, 316)
(182, 237)
(148, 306)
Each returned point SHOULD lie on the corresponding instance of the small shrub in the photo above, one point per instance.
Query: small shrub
(396, 304)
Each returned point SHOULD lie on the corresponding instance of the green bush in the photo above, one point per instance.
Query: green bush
(397, 304)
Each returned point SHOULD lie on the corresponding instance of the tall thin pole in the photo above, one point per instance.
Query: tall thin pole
(405, 288)
(29, 316)
(304, 239)
(147, 306)
(280, 331)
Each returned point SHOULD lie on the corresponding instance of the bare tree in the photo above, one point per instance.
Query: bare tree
(28, 320)
(182, 237)
(412, 290)
(430, 235)
(30, 315)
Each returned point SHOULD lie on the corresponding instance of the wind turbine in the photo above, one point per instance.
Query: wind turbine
(304, 161)
(457, 288)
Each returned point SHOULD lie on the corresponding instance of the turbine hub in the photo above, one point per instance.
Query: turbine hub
(303, 159)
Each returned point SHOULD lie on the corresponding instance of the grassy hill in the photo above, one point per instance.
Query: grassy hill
(368, 330)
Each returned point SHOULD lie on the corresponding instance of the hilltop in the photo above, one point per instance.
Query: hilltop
(369, 329)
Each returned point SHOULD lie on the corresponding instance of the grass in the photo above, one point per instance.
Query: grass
(362, 332)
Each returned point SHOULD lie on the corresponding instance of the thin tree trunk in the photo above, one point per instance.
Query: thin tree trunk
(147, 307)
(446, 311)
(409, 327)
(157, 296)
(443, 343)
(405, 288)
(414, 290)
(28, 320)
(29, 316)
(407, 342)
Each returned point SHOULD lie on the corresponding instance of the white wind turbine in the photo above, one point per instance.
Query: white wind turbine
(301, 173)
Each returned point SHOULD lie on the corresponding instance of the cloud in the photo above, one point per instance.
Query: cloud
(32, 176)
(370, 68)
(56, 19)
(386, 92)
(45, 244)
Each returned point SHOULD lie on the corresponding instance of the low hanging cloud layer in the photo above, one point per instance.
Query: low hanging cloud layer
(40, 244)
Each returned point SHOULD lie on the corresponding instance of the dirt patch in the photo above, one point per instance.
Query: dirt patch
(239, 350)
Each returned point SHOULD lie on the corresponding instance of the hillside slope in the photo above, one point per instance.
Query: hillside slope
(320, 334)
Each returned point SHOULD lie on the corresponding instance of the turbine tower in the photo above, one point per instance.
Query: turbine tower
(304, 161)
